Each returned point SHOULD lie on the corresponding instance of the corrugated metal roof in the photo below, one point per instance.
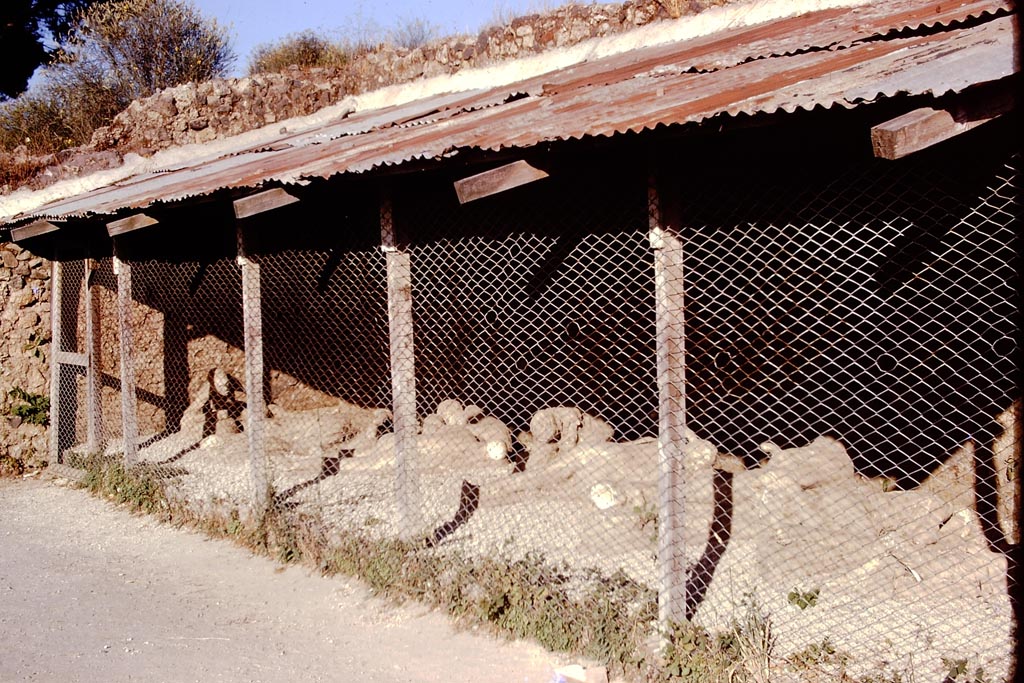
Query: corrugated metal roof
(834, 57)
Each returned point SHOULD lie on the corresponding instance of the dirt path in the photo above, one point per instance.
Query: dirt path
(91, 593)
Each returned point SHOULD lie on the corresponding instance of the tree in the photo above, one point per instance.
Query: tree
(25, 26)
(143, 46)
(115, 51)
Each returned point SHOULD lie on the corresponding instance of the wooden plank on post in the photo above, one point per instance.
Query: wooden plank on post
(129, 400)
(93, 351)
(72, 358)
(262, 202)
(922, 128)
(497, 180)
(136, 222)
(56, 282)
(33, 230)
(403, 374)
(669, 315)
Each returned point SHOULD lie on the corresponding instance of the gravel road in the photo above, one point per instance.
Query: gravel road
(91, 593)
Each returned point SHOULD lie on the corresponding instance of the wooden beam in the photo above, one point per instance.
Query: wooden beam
(136, 222)
(497, 180)
(56, 282)
(403, 375)
(262, 202)
(664, 233)
(71, 358)
(33, 230)
(921, 128)
(252, 334)
(129, 401)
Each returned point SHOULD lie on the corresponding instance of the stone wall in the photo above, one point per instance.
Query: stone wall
(202, 112)
(24, 350)
(197, 113)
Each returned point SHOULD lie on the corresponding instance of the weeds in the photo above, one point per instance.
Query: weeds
(33, 346)
(647, 516)
(11, 466)
(742, 654)
(819, 662)
(803, 599)
(138, 487)
(959, 671)
(305, 50)
(411, 33)
(30, 407)
(605, 618)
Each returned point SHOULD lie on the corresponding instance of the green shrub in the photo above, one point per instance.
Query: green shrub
(35, 121)
(31, 408)
(139, 487)
(307, 49)
(117, 51)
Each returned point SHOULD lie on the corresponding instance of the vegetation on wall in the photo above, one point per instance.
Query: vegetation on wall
(312, 49)
(30, 407)
(307, 49)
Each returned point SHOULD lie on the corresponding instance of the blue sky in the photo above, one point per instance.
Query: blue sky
(252, 22)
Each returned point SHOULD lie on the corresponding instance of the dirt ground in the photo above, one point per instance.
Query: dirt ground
(91, 593)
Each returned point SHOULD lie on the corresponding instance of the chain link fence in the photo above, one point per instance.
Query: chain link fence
(851, 377)
(87, 409)
(786, 408)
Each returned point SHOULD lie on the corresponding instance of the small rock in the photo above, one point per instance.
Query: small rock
(604, 496)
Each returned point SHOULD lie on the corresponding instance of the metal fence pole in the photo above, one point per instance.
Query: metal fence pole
(93, 323)
(56, 282)
(403, 372)
(129, 414)
(668, 288)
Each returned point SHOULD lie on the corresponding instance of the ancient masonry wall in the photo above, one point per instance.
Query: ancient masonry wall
(24, 349)
(197, 113)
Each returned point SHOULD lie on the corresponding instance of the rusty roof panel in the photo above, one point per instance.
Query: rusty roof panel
(828, 58)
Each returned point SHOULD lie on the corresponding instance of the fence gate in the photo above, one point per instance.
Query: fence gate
(85, 372)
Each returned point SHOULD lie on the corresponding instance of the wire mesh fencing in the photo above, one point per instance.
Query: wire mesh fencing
(784, 411)
(535, 377)
(87, 414)
(851, 386)
(325, 344)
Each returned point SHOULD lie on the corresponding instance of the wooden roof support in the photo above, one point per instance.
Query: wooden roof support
(403, 370)
(126, 336)
(93, 353)
(56, 296)
(922, 128)
(665, 227)
(136, 222)
(497, 180)
(252, 334)
(33, 230)
(262, 202)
